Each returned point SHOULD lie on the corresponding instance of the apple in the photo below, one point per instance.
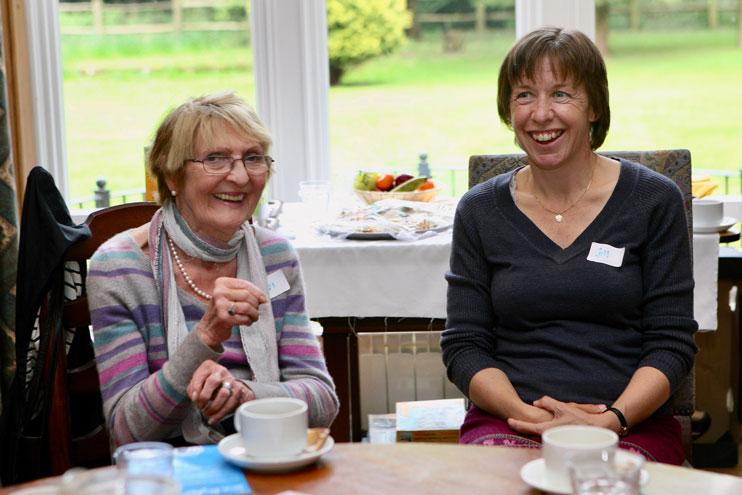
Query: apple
(401, 178)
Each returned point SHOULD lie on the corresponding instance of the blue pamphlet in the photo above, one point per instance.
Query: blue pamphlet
(201, 470)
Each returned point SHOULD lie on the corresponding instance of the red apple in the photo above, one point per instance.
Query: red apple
(401, 178)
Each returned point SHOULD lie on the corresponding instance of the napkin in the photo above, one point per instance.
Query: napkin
(703, 186)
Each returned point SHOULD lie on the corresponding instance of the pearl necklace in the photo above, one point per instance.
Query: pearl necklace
(559, 215)
(187, 277)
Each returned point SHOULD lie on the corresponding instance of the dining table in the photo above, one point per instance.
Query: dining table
(444, 469)
(406, 278)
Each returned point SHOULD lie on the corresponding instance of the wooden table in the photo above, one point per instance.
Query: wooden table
(447, 469)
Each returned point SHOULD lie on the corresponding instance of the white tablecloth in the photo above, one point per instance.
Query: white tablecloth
(369, 278)
(406, 279)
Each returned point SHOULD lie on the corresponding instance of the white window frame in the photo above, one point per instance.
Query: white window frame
(291, 79)
(45, 63)
(570, 14)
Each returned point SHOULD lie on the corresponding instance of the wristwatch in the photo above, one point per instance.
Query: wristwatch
(623, 430)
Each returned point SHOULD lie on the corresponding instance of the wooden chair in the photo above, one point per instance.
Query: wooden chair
(675, 164)
(92, 449)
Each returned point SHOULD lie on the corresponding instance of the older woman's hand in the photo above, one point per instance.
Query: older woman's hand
(216, 391)
(235, 302)
(563, 413)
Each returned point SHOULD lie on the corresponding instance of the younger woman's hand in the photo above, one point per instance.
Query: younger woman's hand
(563, 413)
(235, 302)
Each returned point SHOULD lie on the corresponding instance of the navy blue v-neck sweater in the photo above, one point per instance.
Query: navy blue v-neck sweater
(555, 323)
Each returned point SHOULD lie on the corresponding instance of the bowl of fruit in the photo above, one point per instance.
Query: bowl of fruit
(373, 187)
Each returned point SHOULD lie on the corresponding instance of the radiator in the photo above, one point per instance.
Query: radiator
(395, 367)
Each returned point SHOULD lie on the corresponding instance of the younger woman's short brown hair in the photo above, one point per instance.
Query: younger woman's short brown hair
(574, 55)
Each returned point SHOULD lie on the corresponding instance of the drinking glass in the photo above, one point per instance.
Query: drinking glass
(382, 428)
(315, 194)
(613, 473)
(145, 458)
(116, 482)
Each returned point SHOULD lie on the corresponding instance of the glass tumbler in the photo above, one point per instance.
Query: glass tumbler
(614, 473)
(145, 458)
(116, 482)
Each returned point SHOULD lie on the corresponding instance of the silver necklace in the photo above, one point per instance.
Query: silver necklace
(559, 215)
(187, 277)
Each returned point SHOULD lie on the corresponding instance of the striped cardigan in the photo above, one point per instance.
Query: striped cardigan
(144, 389)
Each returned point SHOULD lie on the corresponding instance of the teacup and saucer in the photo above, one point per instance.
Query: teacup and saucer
(565, 447)
(708, 216)
(272, 436)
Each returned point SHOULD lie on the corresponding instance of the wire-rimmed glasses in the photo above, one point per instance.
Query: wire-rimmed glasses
(223, 164)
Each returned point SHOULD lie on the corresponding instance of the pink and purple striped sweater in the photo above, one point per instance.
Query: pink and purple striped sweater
(143, 388)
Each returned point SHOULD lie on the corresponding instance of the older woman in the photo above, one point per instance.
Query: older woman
(570, 286)
(199, 311)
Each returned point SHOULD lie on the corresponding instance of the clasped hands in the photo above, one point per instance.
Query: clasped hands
(548, 412)
(214, 390)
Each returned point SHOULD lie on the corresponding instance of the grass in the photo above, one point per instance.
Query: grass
(668, 89)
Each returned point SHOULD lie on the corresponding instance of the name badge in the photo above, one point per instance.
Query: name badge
(277, 283)
(606, 254)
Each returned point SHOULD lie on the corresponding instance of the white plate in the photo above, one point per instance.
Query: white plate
(231, 449)
(726, 222)
(534, 474)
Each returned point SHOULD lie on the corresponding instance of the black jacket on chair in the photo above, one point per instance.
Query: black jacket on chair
(47, 233)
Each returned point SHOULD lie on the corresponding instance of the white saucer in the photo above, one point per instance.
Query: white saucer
(726, 222)
(534, 474)
(232, 450)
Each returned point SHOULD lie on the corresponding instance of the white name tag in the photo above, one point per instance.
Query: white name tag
(277, 283)
(606, 254)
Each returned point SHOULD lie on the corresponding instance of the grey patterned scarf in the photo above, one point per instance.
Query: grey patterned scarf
(258, 339)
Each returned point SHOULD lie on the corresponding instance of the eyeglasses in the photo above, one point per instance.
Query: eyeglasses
(222, 165)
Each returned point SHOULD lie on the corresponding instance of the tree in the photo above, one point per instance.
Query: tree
(359, 31)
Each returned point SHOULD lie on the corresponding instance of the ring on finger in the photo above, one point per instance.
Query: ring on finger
(232, 310)
(228, 387)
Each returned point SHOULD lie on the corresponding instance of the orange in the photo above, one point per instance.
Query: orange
(428, 184)
(385, 182)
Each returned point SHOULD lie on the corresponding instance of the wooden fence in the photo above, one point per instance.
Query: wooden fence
(176, 8)
(477, 18)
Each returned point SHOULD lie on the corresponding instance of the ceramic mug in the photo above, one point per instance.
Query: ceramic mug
(561, 443)
(272, 427)
(707, 212)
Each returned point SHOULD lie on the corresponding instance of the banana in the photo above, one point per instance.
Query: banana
(410, 185)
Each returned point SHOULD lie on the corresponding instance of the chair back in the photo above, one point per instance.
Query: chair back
(81, 383)
(674, 164)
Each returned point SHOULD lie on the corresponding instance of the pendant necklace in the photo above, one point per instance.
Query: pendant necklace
(559, 215)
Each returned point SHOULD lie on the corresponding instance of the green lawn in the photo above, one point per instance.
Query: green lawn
(678, 89)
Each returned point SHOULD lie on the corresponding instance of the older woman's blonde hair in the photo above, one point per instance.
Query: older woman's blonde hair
(199, 119)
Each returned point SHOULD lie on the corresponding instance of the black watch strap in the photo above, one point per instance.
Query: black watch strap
(624, 429)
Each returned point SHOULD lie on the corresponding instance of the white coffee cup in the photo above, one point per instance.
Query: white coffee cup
(561, 443)
(272, 427)
(707, 212)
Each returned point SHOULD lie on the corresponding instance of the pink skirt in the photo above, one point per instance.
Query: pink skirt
(656, 438)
